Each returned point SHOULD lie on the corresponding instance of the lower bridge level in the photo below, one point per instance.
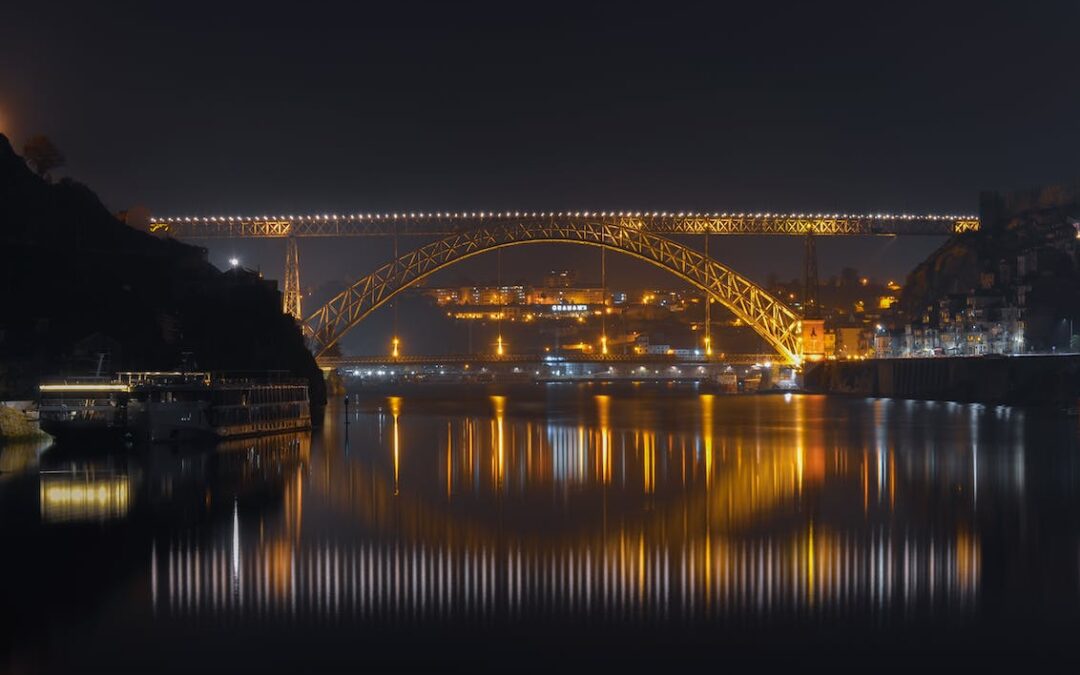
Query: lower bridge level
(547, 367)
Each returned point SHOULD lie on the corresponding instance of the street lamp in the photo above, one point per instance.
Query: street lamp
(234, 262)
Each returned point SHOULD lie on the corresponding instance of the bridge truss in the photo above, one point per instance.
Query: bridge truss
(773, 320)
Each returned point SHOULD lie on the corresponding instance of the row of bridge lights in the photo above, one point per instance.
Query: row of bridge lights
(561, 214)
(500, 346)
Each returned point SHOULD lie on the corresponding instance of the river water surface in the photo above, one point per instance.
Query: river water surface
(555, 528)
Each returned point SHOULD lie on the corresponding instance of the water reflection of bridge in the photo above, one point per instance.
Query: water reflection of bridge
(622, 577)
(720, 548)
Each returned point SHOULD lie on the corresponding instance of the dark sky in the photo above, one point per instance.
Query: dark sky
(298, 107)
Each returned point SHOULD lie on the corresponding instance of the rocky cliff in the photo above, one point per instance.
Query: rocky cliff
(83, 290)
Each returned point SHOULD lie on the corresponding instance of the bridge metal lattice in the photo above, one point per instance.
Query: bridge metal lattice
(292, 296)
(777, 323)
(441, 224)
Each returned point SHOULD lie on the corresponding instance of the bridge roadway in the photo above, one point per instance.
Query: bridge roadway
(441, 224)
(543, 359)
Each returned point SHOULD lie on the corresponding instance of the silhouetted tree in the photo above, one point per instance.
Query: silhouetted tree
(42, 155)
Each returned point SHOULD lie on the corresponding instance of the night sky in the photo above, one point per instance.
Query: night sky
(218, 108)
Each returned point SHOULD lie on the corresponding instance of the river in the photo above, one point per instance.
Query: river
(551, 528)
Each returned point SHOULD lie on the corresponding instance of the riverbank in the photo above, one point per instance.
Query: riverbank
(95, 295)
(1045, 380)
(16, 426)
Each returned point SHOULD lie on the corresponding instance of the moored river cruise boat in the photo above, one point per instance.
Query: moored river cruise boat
(173, 406)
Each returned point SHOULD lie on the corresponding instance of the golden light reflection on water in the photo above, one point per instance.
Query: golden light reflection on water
(617, 515)
(395, 411)
(497, 455)
(83, 496)
(499, 435)
(603, 416)
(707, 401)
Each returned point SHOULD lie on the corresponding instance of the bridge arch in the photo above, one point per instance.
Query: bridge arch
(774, 321)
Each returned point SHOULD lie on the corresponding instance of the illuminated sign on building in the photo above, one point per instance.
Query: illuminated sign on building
(813, 339)
(569, 308)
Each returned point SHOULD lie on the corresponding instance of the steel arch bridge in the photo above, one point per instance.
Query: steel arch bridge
(774, 321)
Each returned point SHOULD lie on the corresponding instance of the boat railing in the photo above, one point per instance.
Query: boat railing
(73, 403)
(261, 377)
(125, 381)
(164, 378)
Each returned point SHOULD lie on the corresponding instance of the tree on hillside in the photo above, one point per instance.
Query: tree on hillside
(42, 155)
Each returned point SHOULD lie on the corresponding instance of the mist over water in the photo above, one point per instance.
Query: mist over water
(553, 527)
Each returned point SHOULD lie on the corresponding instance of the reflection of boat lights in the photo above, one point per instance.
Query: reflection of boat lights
(67, 497)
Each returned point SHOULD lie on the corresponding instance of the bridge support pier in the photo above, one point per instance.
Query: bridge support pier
(810, 278)
(291, 297)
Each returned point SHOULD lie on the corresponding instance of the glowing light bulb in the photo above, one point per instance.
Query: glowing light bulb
(603, 344)
(235, 262)
(499, 346)
(708, 346)
(394, 347)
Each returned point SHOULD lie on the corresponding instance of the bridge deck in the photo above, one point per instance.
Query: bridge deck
(542, 359)
(440, 224)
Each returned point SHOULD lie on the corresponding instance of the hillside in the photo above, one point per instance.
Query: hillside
(82, 288)
(1027, 252)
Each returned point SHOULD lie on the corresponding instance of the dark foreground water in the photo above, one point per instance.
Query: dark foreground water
(556, 528)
